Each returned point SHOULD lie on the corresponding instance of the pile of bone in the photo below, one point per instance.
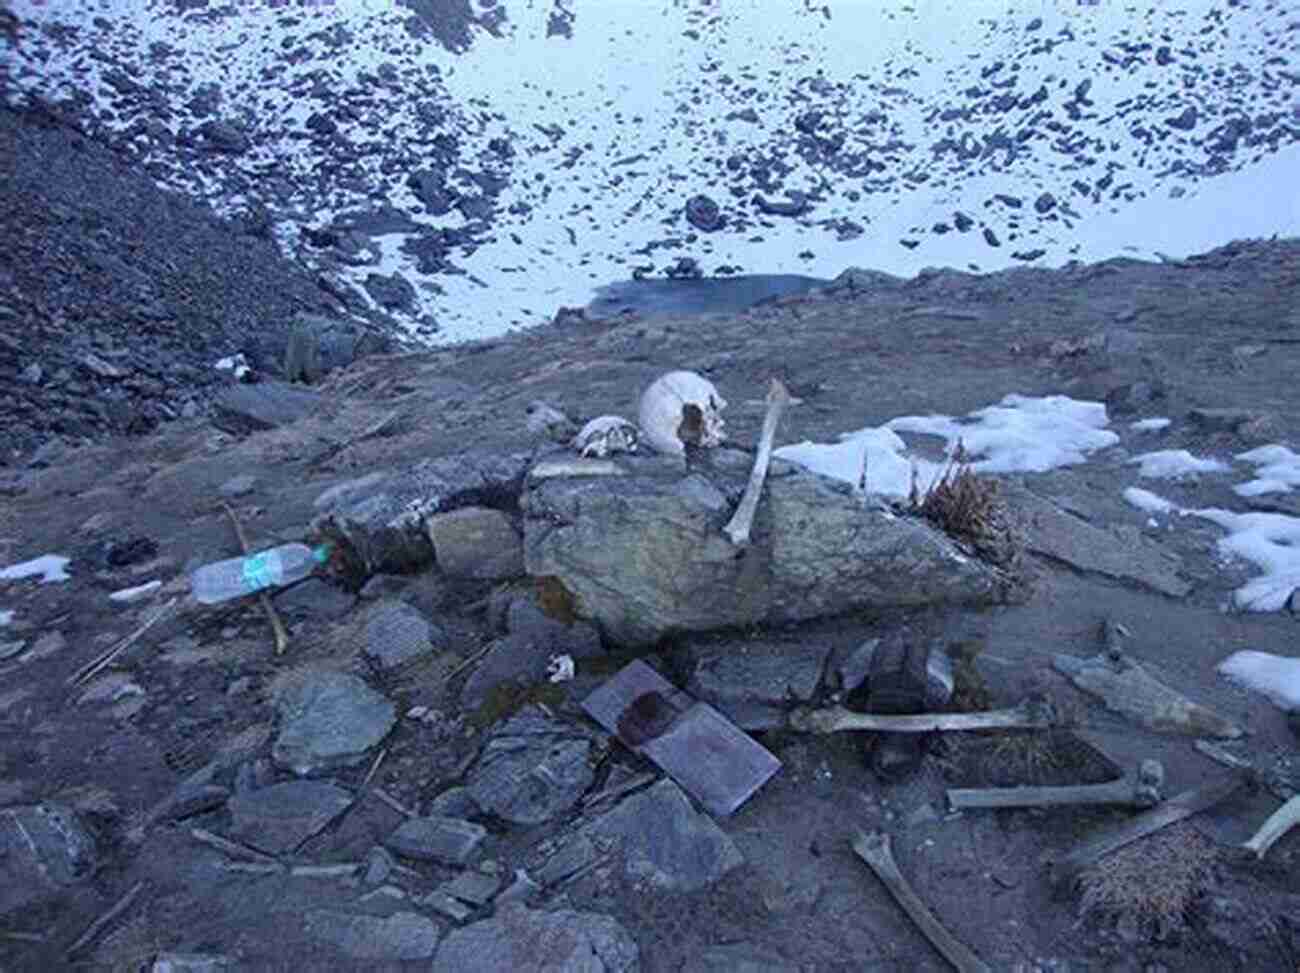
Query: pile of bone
(679, 410)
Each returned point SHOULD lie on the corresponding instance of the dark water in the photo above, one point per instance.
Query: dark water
(703, 295)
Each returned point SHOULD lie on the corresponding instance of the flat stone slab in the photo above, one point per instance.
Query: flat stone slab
(277, 819)
(249, 408)
(1121, 552)
(448, 840)
(401, 936)
(328, 720)
(718, 764)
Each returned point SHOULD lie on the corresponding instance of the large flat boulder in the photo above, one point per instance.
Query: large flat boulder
(644, 554)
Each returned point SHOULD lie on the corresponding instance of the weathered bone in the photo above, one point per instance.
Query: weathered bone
(1140, 789)
(1034, 713)
(874, 850)
(738, 528)
(1279, 823)
(1178, 807)
(574, 466)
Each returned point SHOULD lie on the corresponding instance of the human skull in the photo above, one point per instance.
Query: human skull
(606, 434)
(680, 408)
(546, 420)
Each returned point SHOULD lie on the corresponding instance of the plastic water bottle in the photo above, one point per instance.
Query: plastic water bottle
(238, 576)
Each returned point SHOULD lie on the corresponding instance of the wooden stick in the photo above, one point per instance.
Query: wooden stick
(738, 528)
(281, 636)
(233, 848)
(1184, 805)
(874, 850)
(98, 926)
(88, 671)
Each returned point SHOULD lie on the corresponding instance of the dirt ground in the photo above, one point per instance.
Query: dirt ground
(1216, 331)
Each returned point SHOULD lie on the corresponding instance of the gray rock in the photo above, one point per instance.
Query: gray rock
(401, 936)
(393, 292)
(525, 940)
(397, 634)
(192, 963)
(739, 958)
(381, 516)
(853, 668)
(523, 654)
(302, 355)
(242, 409)
(455, 802)
(665, 841)
(314, 598)
(643, 558)
(238, 486)
(449, 840)
(328, 720)
(1220, 420)
(383, 586)
(1121, 552)
(379, 865)
(44, 849)
(474, 887)
(755, 688)
(476, 542)
(532, 768)
(279, 818)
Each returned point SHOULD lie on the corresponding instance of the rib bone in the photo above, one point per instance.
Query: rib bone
(1176, 808)
(874, 850)
(738, 528)
(1140, 789)
(1029, 714)
(1279, 823)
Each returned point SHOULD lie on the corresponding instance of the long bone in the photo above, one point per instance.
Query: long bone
(875, 851)
(742, 521)
(1139, 789)
(1029, 714)
(1279, 823)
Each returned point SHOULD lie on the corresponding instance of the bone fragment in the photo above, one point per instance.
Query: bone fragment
(1029, 714)
(874, 850)
(1184, 805)
(99, 925)
(574, 466)
(738, 528)
(1279, 823)
(1140, 789)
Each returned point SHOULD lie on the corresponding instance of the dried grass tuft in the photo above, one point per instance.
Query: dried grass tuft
(1148, 887)
(969, 508)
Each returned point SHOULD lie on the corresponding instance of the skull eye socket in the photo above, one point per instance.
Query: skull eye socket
(691, 428)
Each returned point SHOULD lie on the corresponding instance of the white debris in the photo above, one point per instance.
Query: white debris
(50, 566)
(1275, 676)
(1149, 425)
(136, 593)
(1174, 463)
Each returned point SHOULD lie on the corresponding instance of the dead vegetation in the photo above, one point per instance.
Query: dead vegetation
(969, 508)
(1147, 888)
